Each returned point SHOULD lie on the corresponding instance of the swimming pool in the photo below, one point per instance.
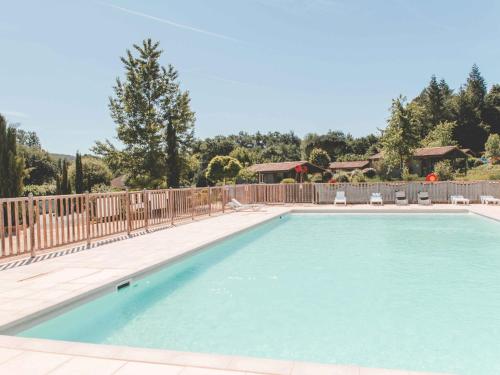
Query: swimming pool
(412, 291)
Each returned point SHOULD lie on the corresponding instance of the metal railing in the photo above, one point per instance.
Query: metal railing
(33, 224)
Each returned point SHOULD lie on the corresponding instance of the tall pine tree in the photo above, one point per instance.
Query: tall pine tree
(153, 117)
(471, 131)
(435, 101)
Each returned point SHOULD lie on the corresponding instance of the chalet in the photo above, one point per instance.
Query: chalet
(425, 158)
(271, 173)
(348, 166)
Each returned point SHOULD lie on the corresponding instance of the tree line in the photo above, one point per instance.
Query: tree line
(155, 124)
(441, 117)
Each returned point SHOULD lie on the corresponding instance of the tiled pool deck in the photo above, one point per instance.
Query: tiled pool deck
(27, 291)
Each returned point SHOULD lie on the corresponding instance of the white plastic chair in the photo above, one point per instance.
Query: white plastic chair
(376, 198)
(340, 198)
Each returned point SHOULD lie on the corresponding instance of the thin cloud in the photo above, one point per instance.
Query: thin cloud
(423, 17)
(304, 5)
(14, 114)
(215, 77)
(171, 23)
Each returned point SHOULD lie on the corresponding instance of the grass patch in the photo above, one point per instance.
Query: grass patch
(483, 172)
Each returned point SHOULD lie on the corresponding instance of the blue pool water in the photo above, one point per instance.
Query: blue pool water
(412, 291)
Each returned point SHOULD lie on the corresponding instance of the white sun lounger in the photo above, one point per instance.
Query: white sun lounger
(423, 198)
(489, 199)
(457, 199)
(340, 198)
(376, 198)
(401, 199)
(238, 206)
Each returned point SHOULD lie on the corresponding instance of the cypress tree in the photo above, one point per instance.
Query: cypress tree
(78, 174)
(3, 157)
(58, 177)
(11, 165)
(65, 185)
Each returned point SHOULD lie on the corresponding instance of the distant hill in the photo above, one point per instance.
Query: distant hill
(62, 156)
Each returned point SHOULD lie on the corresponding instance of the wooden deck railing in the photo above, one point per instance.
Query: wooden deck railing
(32, 224)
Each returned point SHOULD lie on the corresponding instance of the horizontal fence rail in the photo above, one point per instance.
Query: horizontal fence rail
(31, 224)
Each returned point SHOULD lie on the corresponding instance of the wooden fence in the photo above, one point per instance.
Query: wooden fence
(32, 224)
(439, 192)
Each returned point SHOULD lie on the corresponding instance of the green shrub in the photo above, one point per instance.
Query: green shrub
(444, 170)
(407, 176)
(357, 176)
(101, 188)
(370, 172)
(317, 178)
(341, 177)
(246, 176)
(474, 162)
(222, 168)
(320, 158)
(39, 190)
(492, 148)
(288, 181)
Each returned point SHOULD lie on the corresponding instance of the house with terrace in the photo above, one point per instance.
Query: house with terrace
(424, 159)
(273, 173)
(348, 166)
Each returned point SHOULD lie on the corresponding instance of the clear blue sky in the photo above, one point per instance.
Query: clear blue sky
(301, 65)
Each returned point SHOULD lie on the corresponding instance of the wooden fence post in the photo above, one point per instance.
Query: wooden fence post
(171, 205)
(192, 203)
(223, 197)
(87, 218)
(209, 194)
(31, 219)
(127, 212)
(145, 204)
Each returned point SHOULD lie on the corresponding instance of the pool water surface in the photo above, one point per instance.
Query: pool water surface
(411, 291)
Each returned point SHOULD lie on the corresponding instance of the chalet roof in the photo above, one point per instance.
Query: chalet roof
(357, 164)
(429, 152)
(435, 151)
(468, 151)
(283, 167)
